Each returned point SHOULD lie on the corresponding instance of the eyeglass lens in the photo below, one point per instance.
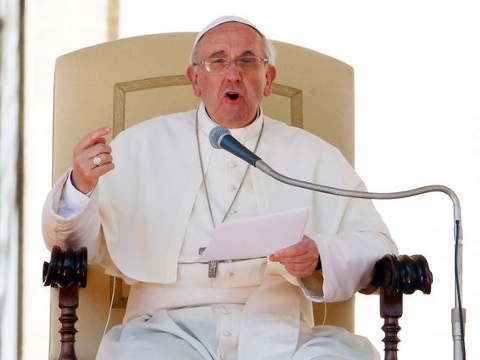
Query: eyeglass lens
(244, 63)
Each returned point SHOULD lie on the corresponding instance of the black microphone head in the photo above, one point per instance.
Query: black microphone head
(216, 136)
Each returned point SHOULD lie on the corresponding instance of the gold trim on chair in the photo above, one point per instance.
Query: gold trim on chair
(296, 105)
(121, 90)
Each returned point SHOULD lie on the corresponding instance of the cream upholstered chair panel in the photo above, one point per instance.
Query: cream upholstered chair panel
(123, 82)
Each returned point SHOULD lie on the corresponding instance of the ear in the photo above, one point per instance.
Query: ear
(193, 77)
(270, 76)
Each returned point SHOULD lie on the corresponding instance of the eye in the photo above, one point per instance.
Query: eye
(218, 61)
(249, 63)
(248, 60)
(217, 65)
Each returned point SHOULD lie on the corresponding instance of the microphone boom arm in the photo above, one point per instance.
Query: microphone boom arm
(458, 314)
(220, 138)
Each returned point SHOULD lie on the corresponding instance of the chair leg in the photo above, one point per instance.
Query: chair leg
(68, 303)
(391, 310)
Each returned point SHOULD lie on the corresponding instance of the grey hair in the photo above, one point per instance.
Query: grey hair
(267, 46)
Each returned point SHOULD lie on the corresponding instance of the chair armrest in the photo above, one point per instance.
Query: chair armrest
(67, 271)
(403, 273)
(393, 277)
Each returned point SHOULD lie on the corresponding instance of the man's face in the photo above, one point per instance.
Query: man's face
(233, 96)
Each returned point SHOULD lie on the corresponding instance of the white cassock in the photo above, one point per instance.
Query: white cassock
(154, 216)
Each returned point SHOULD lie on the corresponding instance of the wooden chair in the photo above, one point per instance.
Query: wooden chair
(130, 80)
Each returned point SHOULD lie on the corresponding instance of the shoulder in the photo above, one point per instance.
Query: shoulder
(297, 152)
(296, 139)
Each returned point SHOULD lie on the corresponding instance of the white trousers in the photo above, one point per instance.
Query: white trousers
(211, 332)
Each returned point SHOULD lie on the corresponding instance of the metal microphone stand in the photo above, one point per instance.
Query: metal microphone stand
(458, 314)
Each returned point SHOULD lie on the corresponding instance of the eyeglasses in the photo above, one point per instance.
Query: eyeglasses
(250, 63)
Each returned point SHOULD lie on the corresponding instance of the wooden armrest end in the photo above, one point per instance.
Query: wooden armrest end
(67, 272)
(395, 276)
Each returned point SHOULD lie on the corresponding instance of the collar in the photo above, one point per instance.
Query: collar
(243, 134)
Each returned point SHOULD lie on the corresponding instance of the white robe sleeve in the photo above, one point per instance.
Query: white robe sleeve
(82, 229)
(349, 263)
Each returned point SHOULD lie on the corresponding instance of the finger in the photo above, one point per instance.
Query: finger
(287, 252)
(299, 270)
(101, 159)
(95, 155)
(101, 170)
(85, 180)
(299, 264)
(299, 260)
(292, 251)
(91, 159)
(92, 144)
(96, 136)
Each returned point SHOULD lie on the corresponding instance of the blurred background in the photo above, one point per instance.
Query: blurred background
(417, 96)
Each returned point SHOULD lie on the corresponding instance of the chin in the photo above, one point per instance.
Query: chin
(234, 119)
(235, 123)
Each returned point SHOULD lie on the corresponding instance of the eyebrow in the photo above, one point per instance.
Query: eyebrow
(221, 53)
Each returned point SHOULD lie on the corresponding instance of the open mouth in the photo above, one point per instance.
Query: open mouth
(233, 95)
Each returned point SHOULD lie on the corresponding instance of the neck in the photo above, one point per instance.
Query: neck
(234, 125)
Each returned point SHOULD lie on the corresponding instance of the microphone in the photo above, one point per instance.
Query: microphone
(220, 138)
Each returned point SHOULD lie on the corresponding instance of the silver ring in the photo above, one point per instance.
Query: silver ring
(97, 160)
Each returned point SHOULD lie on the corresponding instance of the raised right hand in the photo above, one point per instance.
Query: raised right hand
(91, 159)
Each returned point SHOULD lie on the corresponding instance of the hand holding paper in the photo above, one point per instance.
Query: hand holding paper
(300, 260)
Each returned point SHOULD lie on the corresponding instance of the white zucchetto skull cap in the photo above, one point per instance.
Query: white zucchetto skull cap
(219, 21)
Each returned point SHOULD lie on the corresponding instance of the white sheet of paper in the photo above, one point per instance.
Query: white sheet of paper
(256, 237)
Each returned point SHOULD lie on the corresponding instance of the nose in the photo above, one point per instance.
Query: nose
(233, 71)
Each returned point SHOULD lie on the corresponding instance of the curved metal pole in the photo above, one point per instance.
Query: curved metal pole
(458, 314)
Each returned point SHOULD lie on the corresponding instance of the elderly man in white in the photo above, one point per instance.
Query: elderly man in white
(144, 216)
